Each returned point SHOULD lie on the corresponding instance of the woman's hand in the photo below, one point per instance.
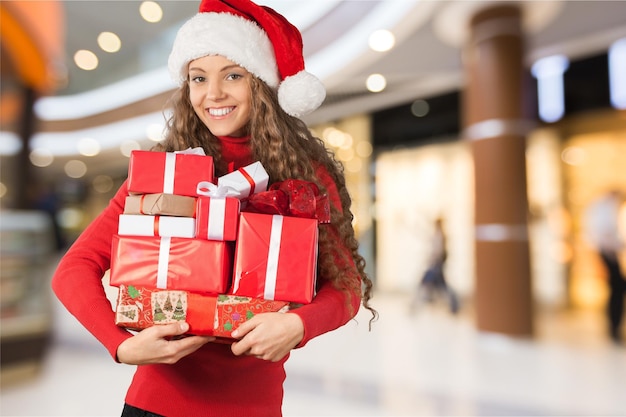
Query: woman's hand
(268, 336)
(159, 344)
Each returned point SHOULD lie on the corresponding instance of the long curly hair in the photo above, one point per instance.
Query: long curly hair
(287, 149)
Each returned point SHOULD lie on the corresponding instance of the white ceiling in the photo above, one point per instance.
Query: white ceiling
(423, 59)
(426, 60)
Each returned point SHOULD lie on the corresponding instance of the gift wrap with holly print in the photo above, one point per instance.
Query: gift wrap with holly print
(140, 307)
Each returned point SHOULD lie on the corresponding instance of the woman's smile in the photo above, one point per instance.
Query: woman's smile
(220, 111)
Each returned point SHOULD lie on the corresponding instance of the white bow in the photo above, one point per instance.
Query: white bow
(193, 151)
(208, 189)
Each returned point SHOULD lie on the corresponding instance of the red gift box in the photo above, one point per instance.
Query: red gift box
(168, 172)
(139, 308)
(217, 218)
(276, 258)
(171, 263)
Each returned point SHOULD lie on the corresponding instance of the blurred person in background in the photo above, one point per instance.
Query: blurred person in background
(242, 89)
(433, 283)
(604, 232)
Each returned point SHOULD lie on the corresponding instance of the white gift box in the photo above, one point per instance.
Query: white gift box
(164, 226)
(246, 181)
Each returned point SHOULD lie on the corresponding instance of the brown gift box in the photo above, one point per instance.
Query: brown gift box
(160, 204)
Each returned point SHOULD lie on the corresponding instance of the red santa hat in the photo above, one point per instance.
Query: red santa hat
(255, 37)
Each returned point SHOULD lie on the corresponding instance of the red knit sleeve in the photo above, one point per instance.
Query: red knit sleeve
(77, 281)
(331, 308)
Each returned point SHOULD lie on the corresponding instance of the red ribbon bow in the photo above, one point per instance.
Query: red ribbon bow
(295, 198)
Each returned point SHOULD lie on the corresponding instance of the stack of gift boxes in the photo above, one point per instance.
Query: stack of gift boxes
(213, 253)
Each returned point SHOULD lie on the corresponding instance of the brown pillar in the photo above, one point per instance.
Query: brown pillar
(495, 126)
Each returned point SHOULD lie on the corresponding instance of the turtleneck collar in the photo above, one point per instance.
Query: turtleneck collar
(234, 140)
(236, 152)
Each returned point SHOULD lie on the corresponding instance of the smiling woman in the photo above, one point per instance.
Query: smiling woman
(242, 87)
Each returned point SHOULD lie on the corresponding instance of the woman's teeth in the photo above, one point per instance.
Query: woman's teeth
(221, 111)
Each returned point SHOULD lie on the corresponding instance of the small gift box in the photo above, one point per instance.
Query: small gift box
(246, 181)
(276, 258)
(168, 172)
(217, 212)
(139, 308)
(171, 263)
(217, 218)
(160, 204)
(164, 226)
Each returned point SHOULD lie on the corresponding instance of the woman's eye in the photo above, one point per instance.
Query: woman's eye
(197, 79)
(234, 76)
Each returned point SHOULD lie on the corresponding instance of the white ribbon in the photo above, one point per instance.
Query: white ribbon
(192, 151)
(168, 175)
(217, 218)
(164, 260)
(271, 272)
(208, 189)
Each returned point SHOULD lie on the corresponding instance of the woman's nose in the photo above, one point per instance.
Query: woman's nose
(215, 90)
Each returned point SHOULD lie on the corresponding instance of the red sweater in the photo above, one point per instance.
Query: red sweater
(212, 381)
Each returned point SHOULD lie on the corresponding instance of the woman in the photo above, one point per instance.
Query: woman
(242, 84)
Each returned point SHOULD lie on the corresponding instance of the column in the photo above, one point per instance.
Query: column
(495, 125)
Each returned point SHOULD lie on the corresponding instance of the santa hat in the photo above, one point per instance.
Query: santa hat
(255, 37)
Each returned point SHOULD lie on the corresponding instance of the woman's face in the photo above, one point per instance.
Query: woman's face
(219, 91)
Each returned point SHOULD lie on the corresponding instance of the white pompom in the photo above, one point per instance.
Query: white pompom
(301, 93)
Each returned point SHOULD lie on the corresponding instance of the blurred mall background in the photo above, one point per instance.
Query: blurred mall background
(504, 119)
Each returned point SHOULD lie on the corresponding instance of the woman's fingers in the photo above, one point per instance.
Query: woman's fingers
(268, 336)
(160, 344)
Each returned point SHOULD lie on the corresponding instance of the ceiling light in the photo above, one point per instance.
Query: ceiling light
(75, 168)
(617, 73)
(88, 147)
(345, 154)
(550, 93)
(364, 149)
(333, 136)
(420, 108)
(382, 40)
(573, 155)
(41, 157)
(86, 60)
(346, 141)
(376, 83)
(150, 11)
(10, 143)
(109, 42)
(70, 217)
(354, 165)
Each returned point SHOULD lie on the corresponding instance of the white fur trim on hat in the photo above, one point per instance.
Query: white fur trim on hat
(301, 93)
(236, 38)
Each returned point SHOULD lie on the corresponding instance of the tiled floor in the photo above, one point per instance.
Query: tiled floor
(428, 363)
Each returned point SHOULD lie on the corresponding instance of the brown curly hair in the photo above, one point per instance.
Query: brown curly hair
(287, 149)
